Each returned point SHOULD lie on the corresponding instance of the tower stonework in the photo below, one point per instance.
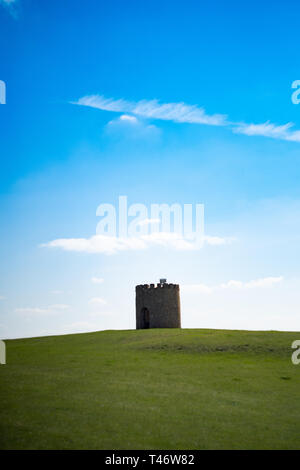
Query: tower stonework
(158, 306)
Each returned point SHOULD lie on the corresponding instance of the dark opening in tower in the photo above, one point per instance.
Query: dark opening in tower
(146, 317)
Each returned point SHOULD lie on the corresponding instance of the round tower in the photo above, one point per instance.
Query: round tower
(158, 306)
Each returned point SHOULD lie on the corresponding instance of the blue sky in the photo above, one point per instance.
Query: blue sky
(165, 102)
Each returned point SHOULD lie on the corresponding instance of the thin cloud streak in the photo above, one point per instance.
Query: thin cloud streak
(97, 301)
(153, 109)
(97, 280)
(51, 309)
(268, 129)
(185, 113)
(234, 285)
(103, 244)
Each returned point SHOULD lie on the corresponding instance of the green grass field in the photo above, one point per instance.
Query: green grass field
(151, 389)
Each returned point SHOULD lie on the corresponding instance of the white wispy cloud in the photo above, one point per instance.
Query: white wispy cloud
(145, 222)
(183, 113)
(215, 241)
(60, 306)
(263, 282)
(97, 301)
(153, 109)
(97, 280)
(108, 245)
(100, 313)
(2, 297)
(51, 309)
(267, 129)
(197, 288)
(31, 310)
(132, 127)
(127, 118)
(234, 284)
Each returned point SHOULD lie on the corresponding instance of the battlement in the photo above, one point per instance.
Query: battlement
(157, 286)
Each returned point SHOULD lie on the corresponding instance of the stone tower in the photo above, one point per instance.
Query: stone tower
(158, 306)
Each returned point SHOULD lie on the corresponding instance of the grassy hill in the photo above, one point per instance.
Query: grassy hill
(151, 389)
